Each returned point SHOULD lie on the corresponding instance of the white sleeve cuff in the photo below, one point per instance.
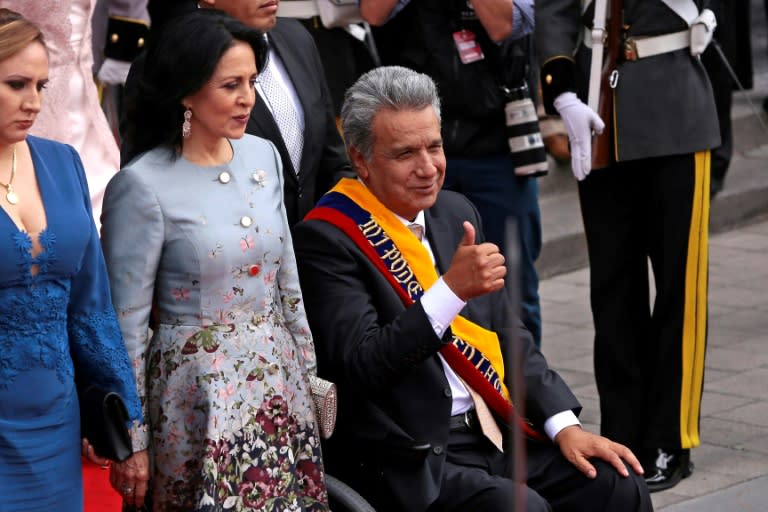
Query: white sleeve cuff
(441, 306)
(558, 422)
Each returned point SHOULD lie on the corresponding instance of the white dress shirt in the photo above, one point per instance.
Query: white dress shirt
(441, 306)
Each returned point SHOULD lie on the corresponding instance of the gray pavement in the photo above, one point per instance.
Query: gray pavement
(732, 462)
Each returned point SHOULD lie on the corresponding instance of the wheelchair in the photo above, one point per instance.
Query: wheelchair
(342, 498)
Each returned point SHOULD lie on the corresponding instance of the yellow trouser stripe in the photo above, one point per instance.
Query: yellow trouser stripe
(695, 314)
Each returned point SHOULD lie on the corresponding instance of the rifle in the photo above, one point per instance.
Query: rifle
(602, 145)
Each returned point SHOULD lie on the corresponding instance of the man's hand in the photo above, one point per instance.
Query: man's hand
(578, 446)
(580, 121)
(475, 269)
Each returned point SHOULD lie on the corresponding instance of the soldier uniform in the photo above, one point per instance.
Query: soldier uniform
(651, 202)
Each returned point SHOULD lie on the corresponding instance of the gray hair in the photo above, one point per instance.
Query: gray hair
(386, 87)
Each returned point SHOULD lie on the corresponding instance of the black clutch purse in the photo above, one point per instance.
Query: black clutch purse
(103, 420)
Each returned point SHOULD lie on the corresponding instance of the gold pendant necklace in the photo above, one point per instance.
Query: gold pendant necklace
(11, 196)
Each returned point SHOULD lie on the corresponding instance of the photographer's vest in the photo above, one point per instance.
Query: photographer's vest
(421, 37)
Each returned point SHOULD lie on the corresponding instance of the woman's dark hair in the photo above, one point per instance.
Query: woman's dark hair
(180, 60)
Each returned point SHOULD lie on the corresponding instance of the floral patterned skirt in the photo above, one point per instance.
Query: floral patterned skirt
(231, 423)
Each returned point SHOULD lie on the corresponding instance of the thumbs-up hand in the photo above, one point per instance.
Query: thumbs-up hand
(475, 269)
(469, 234)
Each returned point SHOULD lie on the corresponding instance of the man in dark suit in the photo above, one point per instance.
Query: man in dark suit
(317, 149)
(387, 262)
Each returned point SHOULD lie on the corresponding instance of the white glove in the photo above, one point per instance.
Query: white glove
(702, 30)
(113, 72)
(580, 121)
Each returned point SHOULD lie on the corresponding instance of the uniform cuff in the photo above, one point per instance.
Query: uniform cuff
(139, 436)
(125, 38)
(558, 75)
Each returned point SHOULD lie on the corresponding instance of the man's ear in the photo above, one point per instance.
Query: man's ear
(359, 162)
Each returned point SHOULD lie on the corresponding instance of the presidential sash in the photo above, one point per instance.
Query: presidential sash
(474, 352)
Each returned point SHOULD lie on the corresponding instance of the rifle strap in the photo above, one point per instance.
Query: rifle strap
(596, 66)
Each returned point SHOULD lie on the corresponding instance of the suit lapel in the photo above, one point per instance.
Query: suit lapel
(300, 79)
(262, 122)
(442, 235)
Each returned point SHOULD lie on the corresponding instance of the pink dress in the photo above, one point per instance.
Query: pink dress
(71, 112)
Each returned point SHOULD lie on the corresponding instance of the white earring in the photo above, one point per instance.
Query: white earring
(186, 126)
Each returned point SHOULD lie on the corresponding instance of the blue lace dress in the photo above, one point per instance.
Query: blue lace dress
(53, 325)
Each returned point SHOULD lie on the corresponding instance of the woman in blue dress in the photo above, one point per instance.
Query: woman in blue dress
(56, 317)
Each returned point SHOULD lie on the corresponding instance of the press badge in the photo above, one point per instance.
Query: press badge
(467, 46)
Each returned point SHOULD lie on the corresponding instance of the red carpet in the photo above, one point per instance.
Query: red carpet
(99, 495)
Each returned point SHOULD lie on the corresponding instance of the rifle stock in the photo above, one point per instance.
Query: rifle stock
(602, 150)
(602, 145)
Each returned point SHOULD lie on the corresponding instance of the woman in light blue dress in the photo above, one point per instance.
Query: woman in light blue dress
(199, 251)
(56, 318)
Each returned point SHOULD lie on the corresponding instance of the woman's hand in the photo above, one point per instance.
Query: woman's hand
(90, 454)
(130, 477)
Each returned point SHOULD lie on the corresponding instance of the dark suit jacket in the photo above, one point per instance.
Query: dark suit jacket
(324, 160)
(394, 398)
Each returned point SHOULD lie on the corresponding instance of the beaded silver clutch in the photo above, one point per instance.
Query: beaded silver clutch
(324, 395)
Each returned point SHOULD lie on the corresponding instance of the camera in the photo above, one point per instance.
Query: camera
(525, 143)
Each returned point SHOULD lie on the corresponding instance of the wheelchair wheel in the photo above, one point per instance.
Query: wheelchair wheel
(343, 498)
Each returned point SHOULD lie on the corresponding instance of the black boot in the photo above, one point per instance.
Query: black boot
(668, 469)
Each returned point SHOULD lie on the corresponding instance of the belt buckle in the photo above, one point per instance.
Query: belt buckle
(468, 419)
(630, 49)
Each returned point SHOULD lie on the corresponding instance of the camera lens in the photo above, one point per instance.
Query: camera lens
(525, 143)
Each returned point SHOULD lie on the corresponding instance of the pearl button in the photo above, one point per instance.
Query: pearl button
(246, 221)
(224, 177)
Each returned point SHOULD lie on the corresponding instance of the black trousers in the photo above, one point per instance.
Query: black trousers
(649, 361)
(476, 477)
(722, 89)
